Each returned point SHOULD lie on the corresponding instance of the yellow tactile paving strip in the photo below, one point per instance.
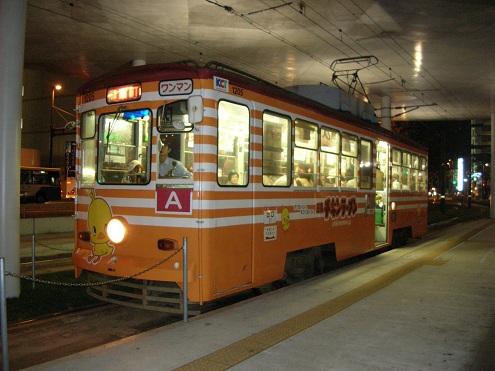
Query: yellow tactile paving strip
(235, 353)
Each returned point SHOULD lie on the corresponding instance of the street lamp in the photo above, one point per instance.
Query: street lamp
(69, 125)
(55, 87)
(484, 179)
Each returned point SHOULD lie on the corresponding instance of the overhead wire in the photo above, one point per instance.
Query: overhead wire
(117, 17)
(399, 79)
(340, 36)
(404, 52)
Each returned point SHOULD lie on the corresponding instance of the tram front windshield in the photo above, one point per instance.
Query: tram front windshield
(124, 147)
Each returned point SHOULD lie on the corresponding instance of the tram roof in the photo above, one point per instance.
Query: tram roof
(156, 72)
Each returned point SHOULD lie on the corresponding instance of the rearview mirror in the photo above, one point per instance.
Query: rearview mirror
(195, 109)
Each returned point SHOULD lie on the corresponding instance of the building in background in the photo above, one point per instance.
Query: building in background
(480, 159)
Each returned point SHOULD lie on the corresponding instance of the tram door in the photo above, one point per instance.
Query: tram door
(234, 212)
(382, 192)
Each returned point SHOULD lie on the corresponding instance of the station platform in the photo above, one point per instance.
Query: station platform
(427, 306)
(46, 245)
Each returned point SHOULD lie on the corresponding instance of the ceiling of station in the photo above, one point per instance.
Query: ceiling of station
(434, 58)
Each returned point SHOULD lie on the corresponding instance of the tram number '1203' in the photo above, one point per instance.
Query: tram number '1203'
(340, 207)
(237, 90)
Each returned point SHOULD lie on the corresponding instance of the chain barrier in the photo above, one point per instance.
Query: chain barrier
(20, 276)
(51, 247)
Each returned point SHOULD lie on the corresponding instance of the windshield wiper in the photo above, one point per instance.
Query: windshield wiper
(112, 125)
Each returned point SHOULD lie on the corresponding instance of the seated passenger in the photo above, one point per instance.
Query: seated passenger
(232, 178)
(134, 173)
(170, 167)
(267, 180)
(302, 178)
(281, 181)
(413, 185)
(324, 181)
(350, 180)
(395, 181)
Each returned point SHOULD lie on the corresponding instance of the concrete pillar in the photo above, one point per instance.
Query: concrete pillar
(492, 160)
(386, 113)
(12, 35)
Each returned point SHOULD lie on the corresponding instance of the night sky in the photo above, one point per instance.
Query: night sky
(455, 136)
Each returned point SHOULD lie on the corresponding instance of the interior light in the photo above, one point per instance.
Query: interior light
(418, 58)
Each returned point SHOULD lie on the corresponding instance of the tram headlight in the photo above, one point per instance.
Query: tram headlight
(116, 229)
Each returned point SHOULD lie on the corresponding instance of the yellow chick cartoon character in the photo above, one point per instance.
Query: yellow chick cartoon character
(99, 214)
(285, 219)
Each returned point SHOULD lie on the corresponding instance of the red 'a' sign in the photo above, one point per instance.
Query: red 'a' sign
(174, 200)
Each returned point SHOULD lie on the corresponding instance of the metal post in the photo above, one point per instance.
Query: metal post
(3, 317)
(184, 278)
(492, 160)
(443, 174)
(51, 129)
(33, 253)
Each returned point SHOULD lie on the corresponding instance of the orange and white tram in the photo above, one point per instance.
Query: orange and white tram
(261, 182)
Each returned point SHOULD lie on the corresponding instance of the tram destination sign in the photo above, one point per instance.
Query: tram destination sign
(124, 93)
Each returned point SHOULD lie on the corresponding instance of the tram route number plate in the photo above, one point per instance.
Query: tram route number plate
(174, 200)
(270, 216)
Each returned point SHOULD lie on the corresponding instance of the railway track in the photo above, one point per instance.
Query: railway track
(39, 340)
(47, 266)
(45, 339)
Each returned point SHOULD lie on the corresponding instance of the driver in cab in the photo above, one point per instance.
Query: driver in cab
(170, 167)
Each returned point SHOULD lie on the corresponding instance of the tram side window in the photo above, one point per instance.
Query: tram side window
(422, 174)
(366, 165)
(124, 147)
(176, 141)
(233, 144)
(348, 161)
(413, 184)
(305, 153)
(329, 157)
(396, 168)
(406, 170)
(276, 150)
(88, 148)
